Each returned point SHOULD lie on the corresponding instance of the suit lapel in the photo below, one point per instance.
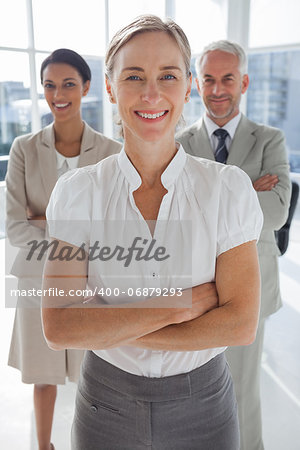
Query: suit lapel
(89, 150)
(200, 143)
(47, 159)
(243, 142)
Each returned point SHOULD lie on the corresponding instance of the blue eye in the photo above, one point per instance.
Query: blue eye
(169, 77)
(133, 77)
(70, 84)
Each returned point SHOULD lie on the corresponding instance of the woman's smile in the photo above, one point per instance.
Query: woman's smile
(61, 106)
(149, 85)
(152, 116)
(64, 89)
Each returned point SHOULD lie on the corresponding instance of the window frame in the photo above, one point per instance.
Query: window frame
(238, 22)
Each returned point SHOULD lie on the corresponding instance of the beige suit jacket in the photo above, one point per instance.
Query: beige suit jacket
(258, 150)
(31, 177)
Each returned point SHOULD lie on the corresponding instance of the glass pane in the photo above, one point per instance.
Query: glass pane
(194, 109)
(13, 24)
(39, 58)
(92, 104)
(273, 96)
(203, 21)
(15, 102)
(121, 13)
(44, 110)
(75, 25)
(282, 25)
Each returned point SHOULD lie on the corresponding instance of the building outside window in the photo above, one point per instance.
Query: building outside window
(274, 69)
(274, 94)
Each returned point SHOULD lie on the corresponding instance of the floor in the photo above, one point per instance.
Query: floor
(280, 374)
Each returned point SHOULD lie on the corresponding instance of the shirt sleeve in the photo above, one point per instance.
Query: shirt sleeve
(69, 209)
(240, 217)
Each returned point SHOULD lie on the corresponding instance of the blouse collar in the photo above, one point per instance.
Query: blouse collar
(72, 161)
(169, 176)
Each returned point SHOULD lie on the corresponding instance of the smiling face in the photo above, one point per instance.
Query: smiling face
(150, 86)
(221, 85)
(63, 89)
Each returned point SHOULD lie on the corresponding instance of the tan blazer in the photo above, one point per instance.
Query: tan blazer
(31, 177)
(258, 150)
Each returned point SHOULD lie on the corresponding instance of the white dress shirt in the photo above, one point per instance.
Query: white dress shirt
(213, 208)
(230, 127)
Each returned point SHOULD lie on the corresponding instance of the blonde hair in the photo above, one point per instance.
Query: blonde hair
(143, 24)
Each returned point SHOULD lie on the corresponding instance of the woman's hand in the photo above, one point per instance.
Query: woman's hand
(198, 301)
(230, 320)
(37, 221)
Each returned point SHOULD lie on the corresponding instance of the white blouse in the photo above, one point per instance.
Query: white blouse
(209, 208)
(65, 163)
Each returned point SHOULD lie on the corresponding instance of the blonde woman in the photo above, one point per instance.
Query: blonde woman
(156, 375)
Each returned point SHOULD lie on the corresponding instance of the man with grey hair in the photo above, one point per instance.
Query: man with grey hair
(226, 135)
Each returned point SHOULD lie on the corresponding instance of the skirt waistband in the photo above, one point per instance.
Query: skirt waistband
(95, 369)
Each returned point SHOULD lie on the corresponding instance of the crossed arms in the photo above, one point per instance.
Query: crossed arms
(274, 187)
(222, 313)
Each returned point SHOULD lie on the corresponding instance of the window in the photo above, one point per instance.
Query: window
(274, 22)
(203, 21)
(13, 24)
(273, 95)
(83, 27)
(194, 109)
(122, 12)
(15, 102)
(78, 25)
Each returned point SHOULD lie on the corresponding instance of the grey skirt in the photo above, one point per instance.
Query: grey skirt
(29, 351)
(116, 410)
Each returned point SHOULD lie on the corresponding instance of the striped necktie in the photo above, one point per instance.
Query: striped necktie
(221, 153)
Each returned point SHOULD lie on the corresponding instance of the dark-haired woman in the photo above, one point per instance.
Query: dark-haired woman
(36, 162)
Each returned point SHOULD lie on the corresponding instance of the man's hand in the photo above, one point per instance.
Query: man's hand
(265, 183)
